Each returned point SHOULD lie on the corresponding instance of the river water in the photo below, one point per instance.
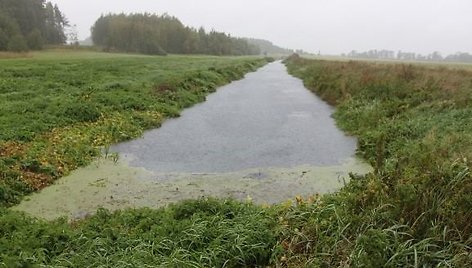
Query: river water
(267, 119)
(264, 138)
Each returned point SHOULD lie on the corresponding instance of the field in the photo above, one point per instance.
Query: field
(431, 64)
(412, 122)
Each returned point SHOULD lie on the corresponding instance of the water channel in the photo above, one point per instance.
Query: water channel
(265, 138)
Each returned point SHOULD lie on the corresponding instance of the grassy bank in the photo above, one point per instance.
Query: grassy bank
(60, 108)
(413, 125)
(204, 233)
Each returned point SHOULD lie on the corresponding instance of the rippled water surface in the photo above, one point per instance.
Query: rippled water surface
(267, 119)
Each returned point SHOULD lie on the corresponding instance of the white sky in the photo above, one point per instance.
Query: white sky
(329, 26)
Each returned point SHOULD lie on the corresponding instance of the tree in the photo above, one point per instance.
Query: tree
(55, 24)
(154, 34)
(73, 35)
(435, 56)
(3, 40)
(35, 40)
(33, 22)
(17, 43)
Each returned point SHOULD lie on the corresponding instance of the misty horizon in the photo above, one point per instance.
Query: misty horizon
(328, 27)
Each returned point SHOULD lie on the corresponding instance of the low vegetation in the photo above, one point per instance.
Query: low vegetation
(413, 211)
(413, 125)
(204, 233)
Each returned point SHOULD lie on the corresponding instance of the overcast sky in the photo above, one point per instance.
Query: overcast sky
(329, 26)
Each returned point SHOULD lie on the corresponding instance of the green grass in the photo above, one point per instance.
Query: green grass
(61, 107)
(413, 126)
(203, 233)
(415, 210)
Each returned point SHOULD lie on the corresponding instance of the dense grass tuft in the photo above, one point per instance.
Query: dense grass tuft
(198, 233)
(416, 208)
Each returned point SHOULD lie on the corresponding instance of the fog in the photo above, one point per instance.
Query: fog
(326, 26)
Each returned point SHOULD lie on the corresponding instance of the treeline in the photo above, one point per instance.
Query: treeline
(30, 24)
(401, 55)
(267, 47)
(161, 34)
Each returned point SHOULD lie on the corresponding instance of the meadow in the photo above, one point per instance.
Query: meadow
(413, 126)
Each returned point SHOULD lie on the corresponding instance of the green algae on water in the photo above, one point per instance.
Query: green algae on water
(118, 186)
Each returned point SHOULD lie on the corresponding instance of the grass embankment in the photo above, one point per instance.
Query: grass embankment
(414, 211)
(204, 233)
(414, 127)
(60, 109)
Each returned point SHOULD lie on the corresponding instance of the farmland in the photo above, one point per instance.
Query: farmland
(412, 123)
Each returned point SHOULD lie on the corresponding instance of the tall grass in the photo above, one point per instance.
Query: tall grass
(200, 233)
(415, 210)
